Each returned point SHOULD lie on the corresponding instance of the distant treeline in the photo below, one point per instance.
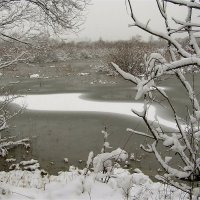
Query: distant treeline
(129, 54)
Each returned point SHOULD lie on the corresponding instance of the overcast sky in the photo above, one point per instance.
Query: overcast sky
(109, 19)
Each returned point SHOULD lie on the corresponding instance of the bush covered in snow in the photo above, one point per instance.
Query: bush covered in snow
(76, 184)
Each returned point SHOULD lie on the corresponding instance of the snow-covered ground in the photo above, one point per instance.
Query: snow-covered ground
(74, 185)
(102, 178)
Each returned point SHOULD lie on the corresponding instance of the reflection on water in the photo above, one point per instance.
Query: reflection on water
(72, 102)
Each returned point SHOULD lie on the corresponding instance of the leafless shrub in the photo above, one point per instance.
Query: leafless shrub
(129, 55)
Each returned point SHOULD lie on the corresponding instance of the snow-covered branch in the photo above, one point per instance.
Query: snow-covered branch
(14, 61)
(126, 75)
(139, 133)
(171, 171)
(184, 62)
(186, 24)
(184, 142)
(5, 146)
(185, 3)
(164, 36)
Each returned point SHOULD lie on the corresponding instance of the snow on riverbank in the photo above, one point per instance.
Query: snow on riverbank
(105, 180)
(74, 185)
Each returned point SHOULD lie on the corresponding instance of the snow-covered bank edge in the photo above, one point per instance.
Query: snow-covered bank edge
(102, 178)
(74, 184)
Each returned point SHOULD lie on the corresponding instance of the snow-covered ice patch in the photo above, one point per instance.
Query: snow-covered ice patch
(66, 160)
(34, 76)
(83, 74)
(73, 102)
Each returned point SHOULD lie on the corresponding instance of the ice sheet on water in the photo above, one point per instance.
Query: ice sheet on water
(74, 103)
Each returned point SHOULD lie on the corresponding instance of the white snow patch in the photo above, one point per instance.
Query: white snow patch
(66, 160)
(10, 160)
(73, 102)
(28, 162)
(132, 156)
(20, 185)
(34, 76)
(104, 160)
(83, 74)
(32, 167)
